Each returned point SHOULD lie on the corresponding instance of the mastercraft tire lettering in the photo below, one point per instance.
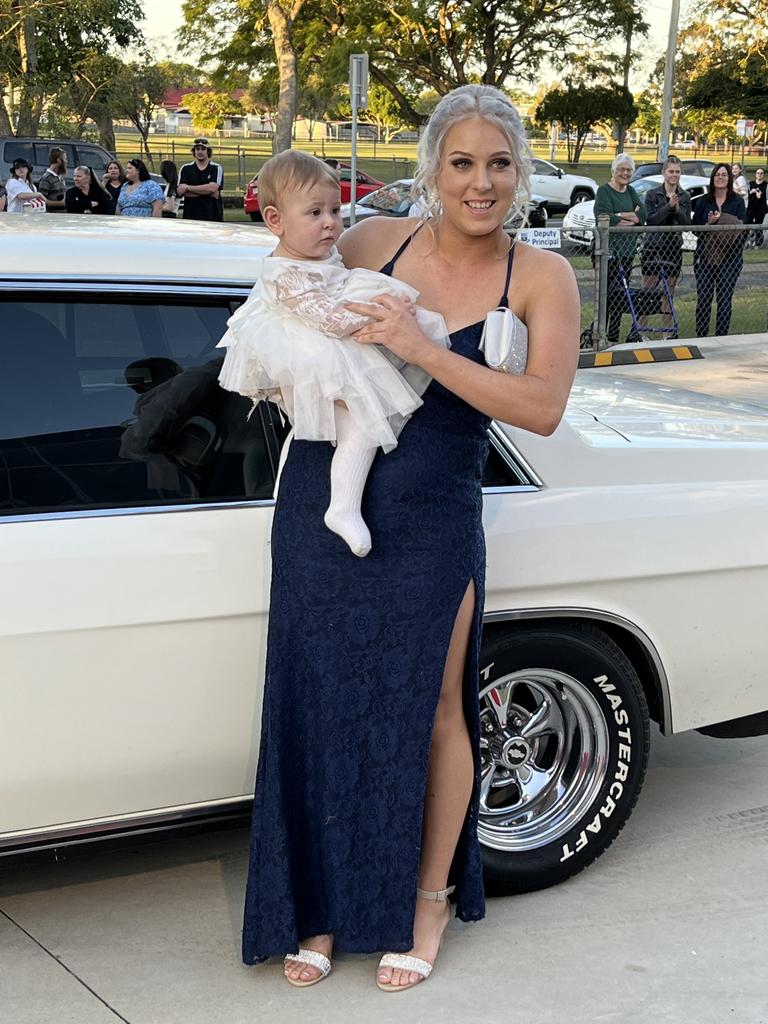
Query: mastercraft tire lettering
(564, 747)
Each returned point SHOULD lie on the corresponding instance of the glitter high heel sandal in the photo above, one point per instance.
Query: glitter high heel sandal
(403, 961)
(314, 959)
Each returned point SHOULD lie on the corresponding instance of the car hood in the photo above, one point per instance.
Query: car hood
(656, 415)
(581, 214)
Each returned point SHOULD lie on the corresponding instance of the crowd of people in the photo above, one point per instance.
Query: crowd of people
(718, 258)
(192, 191)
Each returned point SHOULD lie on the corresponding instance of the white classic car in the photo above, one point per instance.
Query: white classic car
(627, 564)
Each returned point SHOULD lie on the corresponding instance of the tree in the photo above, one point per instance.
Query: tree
(412, 44)
(721, 67)
(579, 108)
(263, 36)
(209, 108)
(91, 95)
(383, 112)
(139, 88)
(648, 119)
(632, 24)
(44, 42)
(316, 97)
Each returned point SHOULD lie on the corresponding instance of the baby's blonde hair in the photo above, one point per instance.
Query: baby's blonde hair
(291, 171)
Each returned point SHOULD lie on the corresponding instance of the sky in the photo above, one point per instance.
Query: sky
(163, 19)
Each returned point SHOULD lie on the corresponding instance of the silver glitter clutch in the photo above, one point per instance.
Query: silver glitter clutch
(505, 341)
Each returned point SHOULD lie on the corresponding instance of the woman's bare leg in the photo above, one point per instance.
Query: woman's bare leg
(449, 788)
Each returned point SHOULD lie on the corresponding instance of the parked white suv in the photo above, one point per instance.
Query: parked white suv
(558, 188)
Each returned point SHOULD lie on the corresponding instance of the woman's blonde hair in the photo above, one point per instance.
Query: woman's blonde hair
(459, 105)
(291, 171)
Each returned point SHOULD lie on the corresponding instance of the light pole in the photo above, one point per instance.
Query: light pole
(669, 80)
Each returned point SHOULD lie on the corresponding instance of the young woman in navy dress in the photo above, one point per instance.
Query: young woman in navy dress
(367, 789)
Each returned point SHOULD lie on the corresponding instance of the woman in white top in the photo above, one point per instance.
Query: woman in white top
(740, 183)
(22, 195)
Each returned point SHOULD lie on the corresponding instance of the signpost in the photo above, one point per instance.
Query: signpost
(358, 95)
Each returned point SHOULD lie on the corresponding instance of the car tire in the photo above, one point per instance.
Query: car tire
(560, 779)
(581, 195)
(256, 217)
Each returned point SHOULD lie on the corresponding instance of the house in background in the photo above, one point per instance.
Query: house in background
(174, 118)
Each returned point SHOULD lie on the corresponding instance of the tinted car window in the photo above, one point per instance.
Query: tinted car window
(116, 404)
(93, 158)
(497, 472)
(645, 170)
(541, 167)
(17, 150)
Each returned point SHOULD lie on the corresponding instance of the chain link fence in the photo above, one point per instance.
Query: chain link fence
(655, 283)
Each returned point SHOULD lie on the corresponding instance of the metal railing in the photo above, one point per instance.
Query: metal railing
(643, 287)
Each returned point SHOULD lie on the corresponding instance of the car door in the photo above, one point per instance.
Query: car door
(547, 182)
(135, 511)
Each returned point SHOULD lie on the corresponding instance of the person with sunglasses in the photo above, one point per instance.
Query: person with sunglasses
(201, 183)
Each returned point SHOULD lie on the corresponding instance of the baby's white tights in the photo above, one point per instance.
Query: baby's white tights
(350, 466)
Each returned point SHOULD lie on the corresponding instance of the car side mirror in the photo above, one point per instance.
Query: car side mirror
(559, 172)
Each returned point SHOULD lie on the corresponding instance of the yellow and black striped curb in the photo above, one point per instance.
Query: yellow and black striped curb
(633, 356)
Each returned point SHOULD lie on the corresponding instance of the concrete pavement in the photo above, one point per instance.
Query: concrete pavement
(670, 925)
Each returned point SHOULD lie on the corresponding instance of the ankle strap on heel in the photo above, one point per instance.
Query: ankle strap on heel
(440, 896)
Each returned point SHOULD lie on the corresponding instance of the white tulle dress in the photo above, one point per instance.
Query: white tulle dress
(290, 343)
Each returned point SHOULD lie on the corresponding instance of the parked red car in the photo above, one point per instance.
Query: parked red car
(365, 184)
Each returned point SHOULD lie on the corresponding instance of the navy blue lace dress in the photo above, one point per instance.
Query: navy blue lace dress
(355, 662)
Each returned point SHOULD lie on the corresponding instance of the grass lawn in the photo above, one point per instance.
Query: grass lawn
(242, 158)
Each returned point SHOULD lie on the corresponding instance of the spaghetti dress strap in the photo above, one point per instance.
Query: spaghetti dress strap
(390, 265)
(504, 301)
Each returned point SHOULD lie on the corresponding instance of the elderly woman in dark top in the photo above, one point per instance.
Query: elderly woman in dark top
(719, 255)
(662, 252)
(86, 195)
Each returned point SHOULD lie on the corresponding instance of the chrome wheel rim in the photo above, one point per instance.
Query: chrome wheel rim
(544, 748)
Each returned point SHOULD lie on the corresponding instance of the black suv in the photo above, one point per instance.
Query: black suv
(36, 151)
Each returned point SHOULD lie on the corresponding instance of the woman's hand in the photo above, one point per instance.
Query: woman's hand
(393, 324)
(713, 217)
(629, 218)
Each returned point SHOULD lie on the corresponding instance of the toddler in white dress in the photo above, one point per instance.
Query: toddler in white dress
(290, 341)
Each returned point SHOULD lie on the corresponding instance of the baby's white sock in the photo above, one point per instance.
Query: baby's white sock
(350, 466)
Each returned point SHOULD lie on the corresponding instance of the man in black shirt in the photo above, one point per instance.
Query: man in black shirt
(201, 184)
